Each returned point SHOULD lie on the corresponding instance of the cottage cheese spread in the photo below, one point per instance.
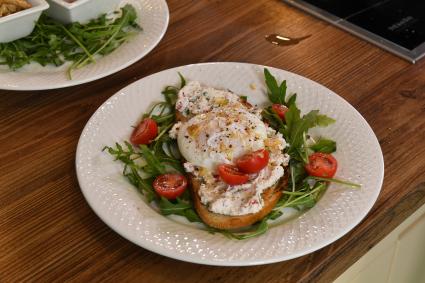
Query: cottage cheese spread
(220, 130)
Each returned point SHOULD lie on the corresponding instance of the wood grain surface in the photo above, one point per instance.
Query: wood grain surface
(48, 233)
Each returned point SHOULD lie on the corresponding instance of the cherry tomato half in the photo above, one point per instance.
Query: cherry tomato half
(145, 132)
(170, 186)
(253, 162)
(231, 175)
(321, 165)
(280, 110)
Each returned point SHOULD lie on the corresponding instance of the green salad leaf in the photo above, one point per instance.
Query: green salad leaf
(276, 93)
(298, 126)
(179, 207)
(132, 170)
(324, 145)
(153, 165)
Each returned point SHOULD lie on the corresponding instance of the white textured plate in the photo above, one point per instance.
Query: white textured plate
(153, 17)
(120, 206)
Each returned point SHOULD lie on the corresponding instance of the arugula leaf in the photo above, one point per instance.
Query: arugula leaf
(131, 169)
(275, 214)
(192, 216)
(298, 126)
(292, 117)
(305, 199)
(322, 120)
(337, 181)
(292, 100)
(255, 230)
(143, 185)
(153, 164)
(170, 94)
(297, 173)
(324, 145)
(178, 207)
(272, 118)
(272, 87)
(275, 92)
(167, 207)
(182, 81)
(282, 92)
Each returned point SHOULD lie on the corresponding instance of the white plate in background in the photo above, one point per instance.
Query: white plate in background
(153, 17)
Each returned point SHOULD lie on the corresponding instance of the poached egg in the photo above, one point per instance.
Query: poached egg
(220, 136)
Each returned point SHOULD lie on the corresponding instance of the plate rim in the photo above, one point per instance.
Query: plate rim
(237, 262)
(71, 83)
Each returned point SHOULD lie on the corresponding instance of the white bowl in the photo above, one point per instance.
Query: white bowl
(21, 24)
(81, 10)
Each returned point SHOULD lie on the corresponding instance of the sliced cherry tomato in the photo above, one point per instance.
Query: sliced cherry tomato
(321, 165)
(253, 162)
(280, 110)
(145, 132)
(231, 174)
(170, 186)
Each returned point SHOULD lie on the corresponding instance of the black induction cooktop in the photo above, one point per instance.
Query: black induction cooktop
(395, 25)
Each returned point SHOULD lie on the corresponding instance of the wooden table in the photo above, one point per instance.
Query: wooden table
(49, 233)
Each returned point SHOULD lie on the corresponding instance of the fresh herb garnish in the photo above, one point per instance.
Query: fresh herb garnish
(179, 207)
(296, 128)
(303, 191)
(145, 162)
(52, 43)
(276, 93)
(323, 145)
(133, 169)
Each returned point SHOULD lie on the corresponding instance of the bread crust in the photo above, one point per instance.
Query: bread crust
(220, 221)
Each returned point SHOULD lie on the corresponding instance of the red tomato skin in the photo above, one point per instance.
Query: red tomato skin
(280, 110)
(253, 162)
(231, 175)
(170, 186)
(321, 165)
(145, 132)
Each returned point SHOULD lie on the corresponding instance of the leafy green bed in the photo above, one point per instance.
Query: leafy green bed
(143, 164)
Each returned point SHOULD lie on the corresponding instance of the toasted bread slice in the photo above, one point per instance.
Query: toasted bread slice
(270, 196)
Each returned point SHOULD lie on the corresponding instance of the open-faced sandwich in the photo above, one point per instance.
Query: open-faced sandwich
(210, 156)
(234, 160)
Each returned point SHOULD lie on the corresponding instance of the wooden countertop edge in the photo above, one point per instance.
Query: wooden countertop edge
(381, 221)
